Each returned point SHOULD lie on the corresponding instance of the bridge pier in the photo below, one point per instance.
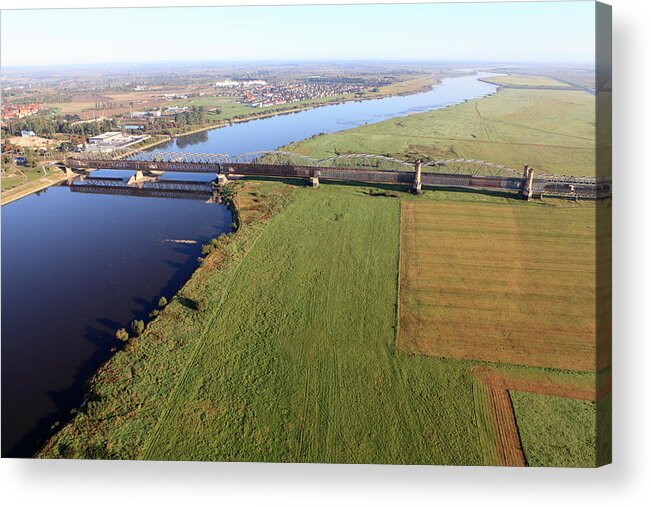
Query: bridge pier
(140, 177)
(222, 180)
(314, 181)
(527, 186)
(417, 185)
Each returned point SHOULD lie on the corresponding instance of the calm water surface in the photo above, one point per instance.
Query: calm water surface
(76, 267)
(271, 133)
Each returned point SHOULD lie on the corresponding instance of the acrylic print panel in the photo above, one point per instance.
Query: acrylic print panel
(390, 246)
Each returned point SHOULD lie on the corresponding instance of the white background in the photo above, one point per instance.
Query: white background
(626, 482)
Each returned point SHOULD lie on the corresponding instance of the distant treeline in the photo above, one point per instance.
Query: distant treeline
(44, 126)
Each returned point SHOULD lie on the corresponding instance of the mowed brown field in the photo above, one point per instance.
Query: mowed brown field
(505, 283)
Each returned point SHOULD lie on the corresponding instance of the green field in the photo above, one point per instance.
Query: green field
(527, 80)
(551, 130)
(294, 357)
(556, 431)
(26, 175)
(231, 109)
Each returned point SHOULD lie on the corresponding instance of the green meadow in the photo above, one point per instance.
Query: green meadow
(553, 131)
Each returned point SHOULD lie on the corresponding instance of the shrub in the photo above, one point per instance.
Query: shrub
(200, 304)
(122, 335)
(162, 302)
(154, 313)
(137, 327)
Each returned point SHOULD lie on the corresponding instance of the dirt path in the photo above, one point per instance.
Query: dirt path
(498, 430)
(496, 420)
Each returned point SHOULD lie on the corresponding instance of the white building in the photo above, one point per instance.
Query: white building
(110, 141)
(106, 137)
(227, 83)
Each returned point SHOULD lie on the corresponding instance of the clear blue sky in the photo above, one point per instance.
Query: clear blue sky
(509, 32)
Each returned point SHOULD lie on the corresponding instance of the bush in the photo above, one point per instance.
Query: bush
(137, 327)
(162, 302)
(154, 313)
(122, 335)
(200, 304)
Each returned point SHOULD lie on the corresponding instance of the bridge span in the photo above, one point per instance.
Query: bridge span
(372, 169)
(170, 189)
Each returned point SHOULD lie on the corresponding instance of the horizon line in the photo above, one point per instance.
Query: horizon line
(303, 61)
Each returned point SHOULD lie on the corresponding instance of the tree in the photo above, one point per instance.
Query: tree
(137, 327)
(122, 335)
(162, 302)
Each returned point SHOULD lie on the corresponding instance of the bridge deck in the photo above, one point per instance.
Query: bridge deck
(546, 185)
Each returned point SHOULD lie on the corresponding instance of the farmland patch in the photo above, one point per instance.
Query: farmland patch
(505, 283)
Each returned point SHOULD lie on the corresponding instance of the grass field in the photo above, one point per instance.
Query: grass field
(12, 181)
(408, 86)
(294, 357)
(500, 282)
(551, 130)
(526, 80)
(556, 431)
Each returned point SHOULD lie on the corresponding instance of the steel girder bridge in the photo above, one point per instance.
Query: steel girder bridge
(364, 168)
(171, 189)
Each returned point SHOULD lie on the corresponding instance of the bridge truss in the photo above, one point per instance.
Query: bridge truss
(457, 172)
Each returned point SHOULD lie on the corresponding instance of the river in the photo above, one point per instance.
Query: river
(76, 267)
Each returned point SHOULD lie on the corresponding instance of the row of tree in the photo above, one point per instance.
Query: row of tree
(43, 126)
(48, 126)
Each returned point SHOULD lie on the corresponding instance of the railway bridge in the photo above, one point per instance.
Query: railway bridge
(372, 169)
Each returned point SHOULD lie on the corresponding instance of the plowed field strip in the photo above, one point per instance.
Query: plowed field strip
(494, 410)
(499, 433)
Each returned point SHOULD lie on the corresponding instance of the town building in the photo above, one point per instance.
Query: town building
(110, 141)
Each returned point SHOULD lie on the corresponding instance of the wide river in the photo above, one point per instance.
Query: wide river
(76, 267)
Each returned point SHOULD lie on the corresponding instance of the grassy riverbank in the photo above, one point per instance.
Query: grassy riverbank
(292, 353)
(551, 130)
(24, 189)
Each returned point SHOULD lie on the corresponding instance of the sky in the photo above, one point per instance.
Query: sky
(536, 32)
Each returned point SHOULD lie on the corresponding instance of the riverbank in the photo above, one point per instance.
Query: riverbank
(186, 313)
(32, 187)
(430, 83)
(550, 130)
